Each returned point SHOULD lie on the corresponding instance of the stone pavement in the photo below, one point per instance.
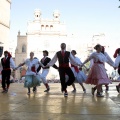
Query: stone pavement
(17, 105)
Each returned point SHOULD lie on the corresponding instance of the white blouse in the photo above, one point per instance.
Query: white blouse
(98, 57)
(107, 59)
(31, 63)
(77, 61)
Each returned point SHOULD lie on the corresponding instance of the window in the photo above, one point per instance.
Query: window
(51, 27)
(42, 27)
(47, 27)
(23, 48)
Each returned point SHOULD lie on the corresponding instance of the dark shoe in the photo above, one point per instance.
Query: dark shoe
(84, 90)
(28, 93)
(5, 90)
(47, 90)
(93, 91)
(34, 89)
(99, 94)
(107, 89)
(65, 94)
(101, 90)
(74, 91)
(117, 88)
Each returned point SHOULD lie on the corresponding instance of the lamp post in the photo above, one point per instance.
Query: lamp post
(1, 49)
(119, 6)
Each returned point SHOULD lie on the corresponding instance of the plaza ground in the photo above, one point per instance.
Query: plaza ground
(17, 105)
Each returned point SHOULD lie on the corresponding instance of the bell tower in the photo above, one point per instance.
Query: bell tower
(37, 14)
(56, 15)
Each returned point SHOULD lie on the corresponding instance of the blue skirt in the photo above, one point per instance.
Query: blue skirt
(32, 81)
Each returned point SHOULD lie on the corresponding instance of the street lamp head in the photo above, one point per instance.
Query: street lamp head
(1, 50)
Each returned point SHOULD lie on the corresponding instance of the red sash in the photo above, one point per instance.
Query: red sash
(99, 62)
(33, 69)
(64, 65)
(75, 67)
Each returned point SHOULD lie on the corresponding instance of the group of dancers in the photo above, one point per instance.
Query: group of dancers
(70, 69)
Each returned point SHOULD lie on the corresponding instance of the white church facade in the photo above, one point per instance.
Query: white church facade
(42, 34)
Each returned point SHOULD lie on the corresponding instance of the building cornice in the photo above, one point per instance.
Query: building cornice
(5, 25)
(21, 36)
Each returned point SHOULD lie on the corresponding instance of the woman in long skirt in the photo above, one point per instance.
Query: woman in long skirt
(78, 73)
(110, 62)
(97, 75)
(32, 78)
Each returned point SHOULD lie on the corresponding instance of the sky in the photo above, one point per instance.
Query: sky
(82, 17)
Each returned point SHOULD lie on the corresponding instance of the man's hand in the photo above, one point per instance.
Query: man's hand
(44, 67)
(81, 65)
(115, 68)
(16, 68)
(47, 65)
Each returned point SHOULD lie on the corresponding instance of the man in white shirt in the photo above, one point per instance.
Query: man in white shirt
(64, 57)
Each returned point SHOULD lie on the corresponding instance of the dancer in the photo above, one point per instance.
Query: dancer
(78, 73)
(45, 70)
(117, 65)
(97, 75)
(7, 63)
(32, 79)
(37, 72)
(110, 62)
(63, 57)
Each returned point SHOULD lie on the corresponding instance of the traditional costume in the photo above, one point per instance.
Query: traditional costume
(32, 79)
(110, 62)
(78, 73)
(117, 65)
(45, 70)
(63, 59)
(7, 63)
(97, 74)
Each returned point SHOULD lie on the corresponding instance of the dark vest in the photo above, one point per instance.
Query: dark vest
(119, 69)
(5, 64)
(46, 61)
(65, 59)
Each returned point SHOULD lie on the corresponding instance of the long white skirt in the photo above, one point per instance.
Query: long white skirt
(81, 77)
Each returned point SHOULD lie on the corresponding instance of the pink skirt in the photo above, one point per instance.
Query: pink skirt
(98, 75)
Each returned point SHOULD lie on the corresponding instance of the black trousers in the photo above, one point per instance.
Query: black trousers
(66, 71)
(6, 78)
